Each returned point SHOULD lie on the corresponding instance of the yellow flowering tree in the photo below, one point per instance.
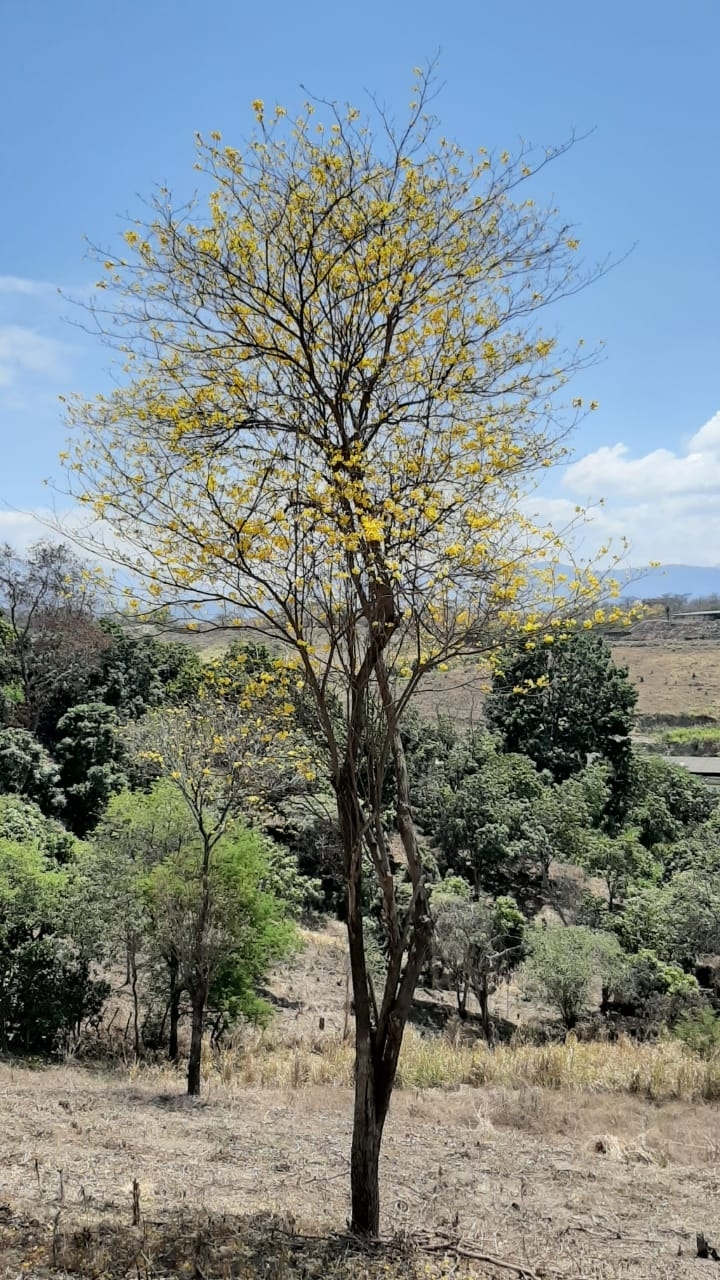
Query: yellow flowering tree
(336, 394)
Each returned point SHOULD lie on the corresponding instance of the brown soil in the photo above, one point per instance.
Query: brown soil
(583, 1184)
(581, 1187)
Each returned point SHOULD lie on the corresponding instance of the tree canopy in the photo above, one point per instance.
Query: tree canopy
(560, 700)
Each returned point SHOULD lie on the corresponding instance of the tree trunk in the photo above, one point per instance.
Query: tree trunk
(378, 1031)
(200, 984)
(175, 993)
(483, 1000)
(368, 1125)
(198, 998)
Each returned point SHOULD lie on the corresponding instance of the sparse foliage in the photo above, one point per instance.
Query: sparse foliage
(478, 944)
(338, 387)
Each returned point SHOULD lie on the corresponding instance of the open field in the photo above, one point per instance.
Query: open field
(677, 674)
(676, 680)
(577, 1160)
(569, 1185)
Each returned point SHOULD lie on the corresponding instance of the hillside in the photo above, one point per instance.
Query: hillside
(675, 667)
(251, 1180)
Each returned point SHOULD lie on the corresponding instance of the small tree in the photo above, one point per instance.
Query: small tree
(665, 803)
(221, 761)
(138, 832)
(565, 962)
(338, 389)
(488, 828)
(244, 928)
(618, 861)
(479, 944)
(49, 600)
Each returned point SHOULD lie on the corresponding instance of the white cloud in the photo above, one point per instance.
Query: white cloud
(666, 503)
(26, 352)
(22, 528)
(611, 469)
(26, 288)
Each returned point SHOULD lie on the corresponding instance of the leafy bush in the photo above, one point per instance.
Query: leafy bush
(654, 992)
(563, 964)
(699, 1029)
(26, 769)
(49, 996)
(23, 822)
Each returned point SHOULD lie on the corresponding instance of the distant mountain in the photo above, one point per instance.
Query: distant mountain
(690, 580)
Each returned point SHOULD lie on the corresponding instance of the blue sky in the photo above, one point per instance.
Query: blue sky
(99, 102)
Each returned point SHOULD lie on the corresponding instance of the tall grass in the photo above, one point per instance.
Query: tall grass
(661, 1071)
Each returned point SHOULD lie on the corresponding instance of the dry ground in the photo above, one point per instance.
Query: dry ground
(578, 1183)
(587, 1186)
(677, 674)
(674, 679)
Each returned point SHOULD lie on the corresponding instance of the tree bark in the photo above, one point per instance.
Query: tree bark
(368, 1122)
(378, 1031)
(483, 999)
(198, 998)
(200, 983)
(132, 959)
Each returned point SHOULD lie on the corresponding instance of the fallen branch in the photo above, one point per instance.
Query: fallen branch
(463, 1249)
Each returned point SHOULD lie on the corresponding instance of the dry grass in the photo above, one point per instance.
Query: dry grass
(664, 1071)
(681, 678)
(575, 1184)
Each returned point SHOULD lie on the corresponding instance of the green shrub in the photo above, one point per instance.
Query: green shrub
(700, 1031)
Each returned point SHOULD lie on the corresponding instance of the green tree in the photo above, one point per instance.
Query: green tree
(563, 964)
(478, 944)
(221, 762)
(655, 992)
(665, 802)
(27, 769)
(137, 832)
(489, 829)
(331, 447)
(23, 822)
(245, 928)
(562, 699)
(90, 756)
(46, 986)
(619, 861)
(139, 672)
